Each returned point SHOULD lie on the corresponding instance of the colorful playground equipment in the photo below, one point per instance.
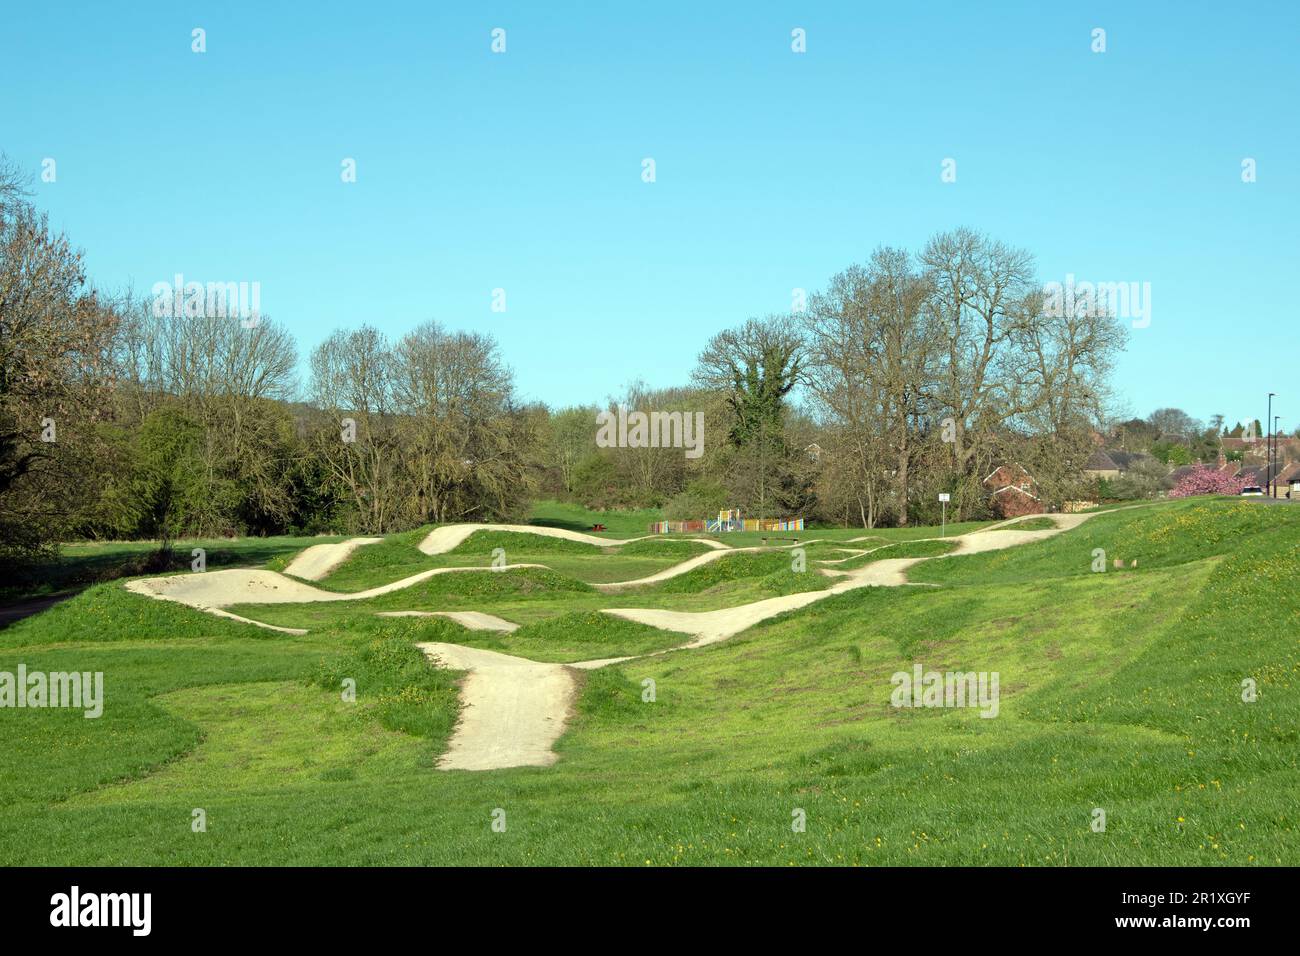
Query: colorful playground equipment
(729, 520)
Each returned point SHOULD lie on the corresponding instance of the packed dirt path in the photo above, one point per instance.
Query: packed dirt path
(315, 562)
(441, 540)
(709, 627)
(211, 591)
(515, 709)
(498, 701)
(512, 710)
(690, 564)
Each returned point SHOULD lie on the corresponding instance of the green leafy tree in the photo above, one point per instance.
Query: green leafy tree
(166, 487)
(701, 499)
(56, 340)
(1172, 453)
(756, 366)
(595, 482)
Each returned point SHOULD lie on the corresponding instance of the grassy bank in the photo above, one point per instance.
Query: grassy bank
(1120, 690)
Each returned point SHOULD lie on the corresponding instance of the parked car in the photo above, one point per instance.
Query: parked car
(1252, 491)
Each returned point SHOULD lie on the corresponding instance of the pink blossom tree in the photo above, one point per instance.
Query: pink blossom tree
(1206, 481)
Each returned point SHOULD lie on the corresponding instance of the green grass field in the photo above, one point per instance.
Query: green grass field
(1120, 690)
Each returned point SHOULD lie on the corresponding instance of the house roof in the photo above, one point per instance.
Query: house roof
(1008, 464)
(1262, 474)
(1100, 461)
(1125, 460)
(1245, 444)
(1012, 468)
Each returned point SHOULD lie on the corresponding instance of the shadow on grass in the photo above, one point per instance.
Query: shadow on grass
(80, 566)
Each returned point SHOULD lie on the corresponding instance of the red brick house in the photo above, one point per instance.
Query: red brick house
(1288, 481)
(1013, 492)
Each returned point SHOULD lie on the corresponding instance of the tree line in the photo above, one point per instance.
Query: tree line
(910, 374)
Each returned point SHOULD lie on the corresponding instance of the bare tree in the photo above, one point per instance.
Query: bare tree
(980, 290)
(1176, 425)
(233, 378)
(353, 385)
(464, 440)
(871, 367)
(570, 438)
(56, 371)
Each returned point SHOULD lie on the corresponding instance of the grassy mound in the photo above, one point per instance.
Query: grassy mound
(110, 613)
(680, 549)
(472, 590)
(1165, 536)
(771, 570)
(609, 695)
(585, 634)
(518, 542)
(370, 565)
(396, 685)
(1032, 524)
(487, 585)
(1189, 682)
(903, 549)
(95, 562)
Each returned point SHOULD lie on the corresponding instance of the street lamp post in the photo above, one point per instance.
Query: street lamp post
(1268, 448)
(1276, 454)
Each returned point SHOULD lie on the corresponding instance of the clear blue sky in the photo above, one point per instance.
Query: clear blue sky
(775, 170)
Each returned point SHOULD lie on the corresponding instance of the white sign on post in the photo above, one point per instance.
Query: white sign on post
(944, 496)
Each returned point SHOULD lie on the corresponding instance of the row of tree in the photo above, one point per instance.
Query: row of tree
(910, 374)
(915, 374)
(118, 421)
